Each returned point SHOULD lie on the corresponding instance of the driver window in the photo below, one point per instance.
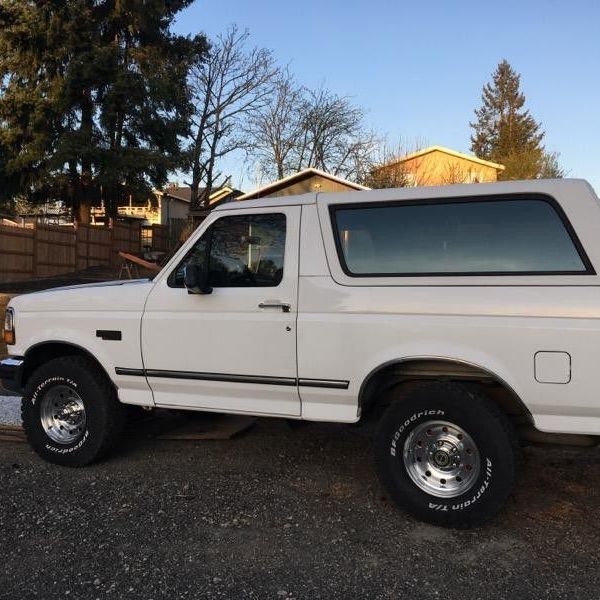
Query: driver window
(243, 251)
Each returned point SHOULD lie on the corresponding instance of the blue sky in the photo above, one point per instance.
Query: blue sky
(418, 67)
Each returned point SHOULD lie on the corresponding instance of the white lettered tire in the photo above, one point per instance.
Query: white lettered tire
(447, 454)
(71, 413)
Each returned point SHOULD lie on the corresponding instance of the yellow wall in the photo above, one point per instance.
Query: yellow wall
(439, 168)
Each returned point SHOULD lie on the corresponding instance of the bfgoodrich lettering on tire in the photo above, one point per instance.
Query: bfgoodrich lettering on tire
(71, 413)
(447, 454)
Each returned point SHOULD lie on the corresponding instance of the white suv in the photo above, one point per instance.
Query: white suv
(455, 313)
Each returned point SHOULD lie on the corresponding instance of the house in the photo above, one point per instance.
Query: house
(308, 180)
(154, 210)
(173, 203)
(218, 196)
(437, 165)
(166, 206)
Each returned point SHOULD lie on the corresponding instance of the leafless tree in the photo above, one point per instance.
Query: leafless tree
(301, 128)
(455, 173)
(226, 89)
(275, 129)
(383, 170)
(334, 138)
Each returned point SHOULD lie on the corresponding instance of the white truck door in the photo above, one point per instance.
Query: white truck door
(235, 348)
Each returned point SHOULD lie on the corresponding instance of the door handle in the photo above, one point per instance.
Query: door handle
(284, 306)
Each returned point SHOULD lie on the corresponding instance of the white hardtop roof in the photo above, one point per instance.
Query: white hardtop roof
(238, 204)
(531, 186)
(541, 186)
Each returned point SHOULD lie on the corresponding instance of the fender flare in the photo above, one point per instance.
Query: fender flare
(27, 368)
(364, 399)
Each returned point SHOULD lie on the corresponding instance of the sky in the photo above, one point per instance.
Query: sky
(418, 68)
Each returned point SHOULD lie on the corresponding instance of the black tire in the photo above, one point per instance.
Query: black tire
(496, 443)
(104, 414)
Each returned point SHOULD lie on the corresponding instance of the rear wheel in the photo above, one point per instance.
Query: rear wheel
(71, 413)
(447, 454)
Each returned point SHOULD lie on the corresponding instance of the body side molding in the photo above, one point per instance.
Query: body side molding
(233, 378)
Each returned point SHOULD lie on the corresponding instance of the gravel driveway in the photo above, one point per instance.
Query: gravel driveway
(283, 512)
(10, 409)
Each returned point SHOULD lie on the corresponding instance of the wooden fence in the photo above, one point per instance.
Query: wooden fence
(46, 250)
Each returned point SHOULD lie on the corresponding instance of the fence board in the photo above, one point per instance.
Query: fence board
(16, 252)
(47, 250)
(160, 238)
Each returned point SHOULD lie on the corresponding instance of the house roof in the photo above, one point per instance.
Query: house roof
(294, 178)
(184, 193)
(450, 152)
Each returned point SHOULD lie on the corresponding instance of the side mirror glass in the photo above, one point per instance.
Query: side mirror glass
(196, 279)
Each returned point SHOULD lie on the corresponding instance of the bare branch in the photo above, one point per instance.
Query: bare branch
(303, 128)
(227, 88)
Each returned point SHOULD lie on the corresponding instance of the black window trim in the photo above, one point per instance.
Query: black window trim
(209, 231)
(333, 208)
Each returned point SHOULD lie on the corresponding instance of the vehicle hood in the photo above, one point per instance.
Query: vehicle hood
(113, 295)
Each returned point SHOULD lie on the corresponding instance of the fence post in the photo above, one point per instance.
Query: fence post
(87, 246)
(34, 242)
(111, 257)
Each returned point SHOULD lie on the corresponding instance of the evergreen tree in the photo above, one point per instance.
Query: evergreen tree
(93, 97)
(505, 132)
(9, 184)
(550, 167)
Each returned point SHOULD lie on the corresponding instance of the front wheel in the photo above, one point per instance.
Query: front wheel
(71, 413)
(447, 455)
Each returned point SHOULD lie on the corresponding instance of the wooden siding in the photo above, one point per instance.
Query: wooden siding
(313, 183)
(441, 168)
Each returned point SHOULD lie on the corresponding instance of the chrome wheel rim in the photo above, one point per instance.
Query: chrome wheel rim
(62, 414)
(441, 458)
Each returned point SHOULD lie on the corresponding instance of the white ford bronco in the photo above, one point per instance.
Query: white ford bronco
(456, 314)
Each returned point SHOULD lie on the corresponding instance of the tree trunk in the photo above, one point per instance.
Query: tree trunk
(194, 187)
(84, 192)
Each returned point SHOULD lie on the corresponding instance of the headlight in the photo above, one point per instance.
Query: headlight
(9, 327)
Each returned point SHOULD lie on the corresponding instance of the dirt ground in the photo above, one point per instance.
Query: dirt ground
(283, 512)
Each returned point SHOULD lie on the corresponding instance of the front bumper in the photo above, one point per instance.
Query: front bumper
(11, 369)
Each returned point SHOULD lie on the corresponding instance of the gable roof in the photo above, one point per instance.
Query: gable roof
(184, 193)
(294, 178)
(450, 152)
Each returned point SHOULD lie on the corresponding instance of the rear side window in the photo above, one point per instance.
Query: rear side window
(476, 237)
